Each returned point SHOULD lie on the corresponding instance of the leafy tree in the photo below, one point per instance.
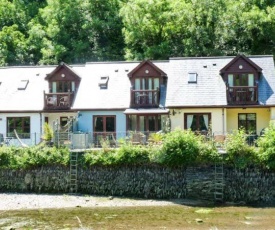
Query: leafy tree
(146, 29)
(78, 31)
(12, 46)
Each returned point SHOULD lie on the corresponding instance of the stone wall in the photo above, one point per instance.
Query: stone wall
(150, 181)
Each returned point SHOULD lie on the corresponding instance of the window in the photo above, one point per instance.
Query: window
(144, 123)
(63, 121)
(103, 82)
(243, 79)
(63, 86)
(192, 77)
(248, 122)
(197, 121)
(23, 84)
(104, 123)
(20, 124)
(148, 83)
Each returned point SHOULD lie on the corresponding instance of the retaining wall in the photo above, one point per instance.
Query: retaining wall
(151, 181)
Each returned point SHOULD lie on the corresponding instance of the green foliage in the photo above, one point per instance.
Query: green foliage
(180, 147)
(266, 147)
(239, 153)
(99, 157)
(17, 158)
(208, 152)
(132, 154)
(48, 132)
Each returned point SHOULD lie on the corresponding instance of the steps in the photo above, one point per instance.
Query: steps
(73, 172)
(219, 182)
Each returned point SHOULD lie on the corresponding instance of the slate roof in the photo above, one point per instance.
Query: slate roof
(117, 94)
(210, 90)
(29, 99)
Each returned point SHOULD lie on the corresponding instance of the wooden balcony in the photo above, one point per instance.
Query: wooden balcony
(242, 95)
(58, 101)
(144, 98)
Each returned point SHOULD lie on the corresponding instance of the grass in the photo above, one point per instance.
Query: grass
(158, 217)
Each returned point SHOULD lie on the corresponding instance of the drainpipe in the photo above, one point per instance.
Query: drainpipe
(223, 121)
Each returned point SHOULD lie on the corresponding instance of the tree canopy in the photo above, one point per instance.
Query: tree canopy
(36, 32)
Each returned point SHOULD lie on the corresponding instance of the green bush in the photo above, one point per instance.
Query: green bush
(208, 153)
(266, 147)
(180, 148)
(239, 153)
(17, 157)
(99, 157)
(132, 154)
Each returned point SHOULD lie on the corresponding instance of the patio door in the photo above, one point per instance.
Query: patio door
(104, 127)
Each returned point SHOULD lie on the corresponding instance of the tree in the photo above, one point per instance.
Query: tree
(78, 31)
(146, 29)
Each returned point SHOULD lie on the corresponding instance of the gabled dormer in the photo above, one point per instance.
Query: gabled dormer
(241, 76)
(63, 85)
(146, 80)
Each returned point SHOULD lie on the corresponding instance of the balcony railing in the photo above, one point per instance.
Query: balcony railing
(145, 98)
(58, 101)
(242, 95)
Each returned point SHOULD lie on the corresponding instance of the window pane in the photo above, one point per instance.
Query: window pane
(230, 80)
(250, 80)
(203, 121)
(110, 124)
(132, 122)
(150, 83)
(156, 83)
(142, 124)
(194, 123)
(151, 123)
(137, 84)
(20, 124)
(98, 124)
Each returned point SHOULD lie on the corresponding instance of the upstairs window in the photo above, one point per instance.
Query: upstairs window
(149, 83)
(103, 82)
(243, 79)
(23, 84)
(63, 86)
(192, 77)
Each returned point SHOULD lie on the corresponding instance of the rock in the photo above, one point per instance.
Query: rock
(199, 220)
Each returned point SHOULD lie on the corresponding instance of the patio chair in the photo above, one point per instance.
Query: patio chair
(64, 101)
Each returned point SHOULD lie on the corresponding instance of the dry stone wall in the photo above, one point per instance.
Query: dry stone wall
(151, 181)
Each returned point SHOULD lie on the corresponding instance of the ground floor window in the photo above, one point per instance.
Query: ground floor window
(146, 122)
(104, 127)
(197, 121)
(247, 121)
(22, 125)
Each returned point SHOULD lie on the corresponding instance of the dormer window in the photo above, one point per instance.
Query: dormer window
(146, 80)
(192, 77)
(241, 76)
(63, 85)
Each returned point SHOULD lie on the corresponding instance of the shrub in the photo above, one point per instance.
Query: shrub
(15, 157)
(180, 148)
(99, 157)
(239, 153)
(132, 154)
(208, 152)
(266, 147)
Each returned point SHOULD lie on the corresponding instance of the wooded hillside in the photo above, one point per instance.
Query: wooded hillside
(75, 31)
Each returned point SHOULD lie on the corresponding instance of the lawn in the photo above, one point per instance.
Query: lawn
(159, 217)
